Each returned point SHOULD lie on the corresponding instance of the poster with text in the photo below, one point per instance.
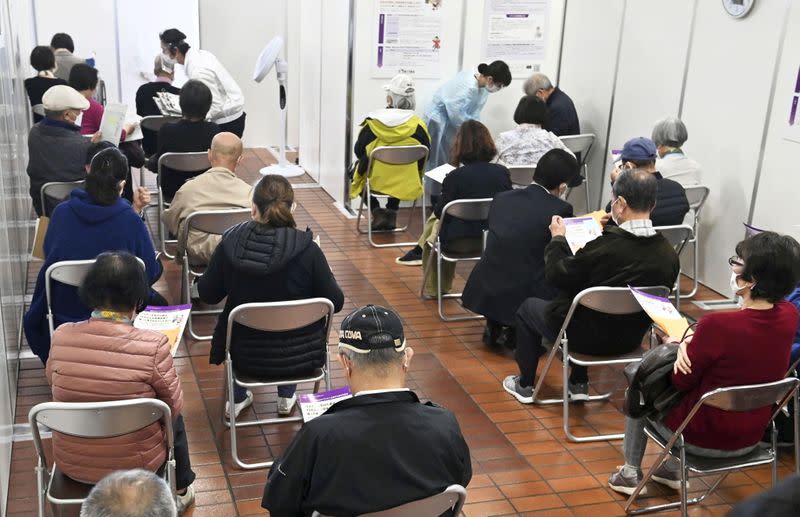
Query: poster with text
(514, 31)
(793, 129)
(408, 38)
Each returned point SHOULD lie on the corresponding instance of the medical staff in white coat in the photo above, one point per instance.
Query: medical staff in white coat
(227, 101)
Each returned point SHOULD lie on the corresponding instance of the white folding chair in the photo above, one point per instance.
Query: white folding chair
(178, 162)
(696, 196)
(391, 155)
(521, 175)
(272, 317)
(467, 210)
(213, 222)
(92, 420)
(581, 144)
(679, 236)
(57, 191)
(451, 499)
(153, 123)
(733, 399)
(606, 300)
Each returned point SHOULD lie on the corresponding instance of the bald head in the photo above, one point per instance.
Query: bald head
(129, 493)
(226, 150)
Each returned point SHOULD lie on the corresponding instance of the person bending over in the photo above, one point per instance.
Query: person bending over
(563, 119)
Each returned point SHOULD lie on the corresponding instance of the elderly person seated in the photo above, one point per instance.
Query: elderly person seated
(191, 134)
(381, 448)
(526, 143)
(145, 105)
(395, 125)
(631, 253)
(749, 346)
(669, 135)
(269, 260)
(90, 222)
(563, 117)
(44, 62)
(216, 189)
(130, 493)
(56, 149)
(106, 358)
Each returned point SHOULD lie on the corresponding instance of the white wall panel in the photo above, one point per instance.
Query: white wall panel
(309, 68)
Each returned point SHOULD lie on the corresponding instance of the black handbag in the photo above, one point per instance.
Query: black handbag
(650, 391)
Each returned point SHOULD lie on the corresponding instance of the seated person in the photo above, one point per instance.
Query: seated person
(631, 253)
(669, 135)
(381, 448)
(671, 203)
(563, 119)
(395, 125)
(216, 189)
(63, 48)
(146, 106)
(475, 177)
(56, 149)
(268, 260)
(44, 62)
(90, 222)
(526, 143)
(783, 500)
(512, 266)
(190, 134)
(106, 358)
(721, 353)
(129, 493)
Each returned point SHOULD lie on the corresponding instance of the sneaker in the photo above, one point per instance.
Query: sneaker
(578, 391)
(412, 258)
(186, 500)
(521, 393)
(619, 482)
(286, 405)
(668, 476)
(238, 407)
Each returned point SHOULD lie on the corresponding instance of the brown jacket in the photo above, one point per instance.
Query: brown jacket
(101, 360)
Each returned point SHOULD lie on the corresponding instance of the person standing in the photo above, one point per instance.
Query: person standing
(63, 49)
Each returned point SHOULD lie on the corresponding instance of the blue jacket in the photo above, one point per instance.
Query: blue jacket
(81, 229)
(794, 298)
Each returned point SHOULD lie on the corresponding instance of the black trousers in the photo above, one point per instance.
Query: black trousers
(531, 327)
(234, 126)
(392, 203)
(184, 475)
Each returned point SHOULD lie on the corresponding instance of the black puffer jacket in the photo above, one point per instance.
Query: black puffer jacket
(258, 263)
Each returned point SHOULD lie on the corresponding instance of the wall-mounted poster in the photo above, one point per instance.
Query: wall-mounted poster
(514, 31)
(408, 38)
(793, 129)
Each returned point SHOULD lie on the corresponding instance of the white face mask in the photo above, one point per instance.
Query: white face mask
(167, 62)
(612, 211)
(492, 88)
(734, 284)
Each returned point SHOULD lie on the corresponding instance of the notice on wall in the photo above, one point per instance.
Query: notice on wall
(793, 129)
(408, 38)
(514, 31)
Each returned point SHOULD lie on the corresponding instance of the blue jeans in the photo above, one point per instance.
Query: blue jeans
(285, 391)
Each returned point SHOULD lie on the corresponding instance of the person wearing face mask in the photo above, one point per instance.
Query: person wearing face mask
(227, 107)
(395, 125)
(526, 143)
(511, 268)
(629, 254)
(563, 117)
(377, 450)
(56, 149)
(749, 346)
(91, 221)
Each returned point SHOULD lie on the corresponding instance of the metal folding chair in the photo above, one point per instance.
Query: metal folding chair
(466, 210)
(92, 420)
(734, 399)
(607, 300)
(581, 144)
(213, 222)
(178, 162)
(679, 236)
(153, 123)
(272, 317)
(391, 155)
(696, 196)
(521, 175)
(452, 498)
(57, 191)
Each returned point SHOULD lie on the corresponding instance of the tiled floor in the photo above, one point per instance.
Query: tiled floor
(522, 462)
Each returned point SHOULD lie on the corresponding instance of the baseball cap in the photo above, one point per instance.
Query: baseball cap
(372, 328)
(62, 97)
(401, 84)
(640, 149)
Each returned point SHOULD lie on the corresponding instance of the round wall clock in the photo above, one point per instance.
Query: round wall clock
(738, 8)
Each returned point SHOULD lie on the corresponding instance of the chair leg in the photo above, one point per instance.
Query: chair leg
(684, 483)
(540, 382)
(40, 490)
(796, 432)
(586, 185)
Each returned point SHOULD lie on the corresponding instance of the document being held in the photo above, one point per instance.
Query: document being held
(169, 321)
(662, 312)
(439, 173)
(314, 404)
(113, 122)
(582, 230)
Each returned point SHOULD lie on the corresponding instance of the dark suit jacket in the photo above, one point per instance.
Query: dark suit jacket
(146, 106)
(562, 114)
(512, 266)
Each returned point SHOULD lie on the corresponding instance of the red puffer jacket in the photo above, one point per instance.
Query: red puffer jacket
(100, 360)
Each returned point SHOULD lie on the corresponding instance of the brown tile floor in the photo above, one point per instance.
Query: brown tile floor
(522, 462)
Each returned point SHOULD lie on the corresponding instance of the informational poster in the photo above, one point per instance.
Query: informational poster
(408, 38)
(793, 129)
(514, 31)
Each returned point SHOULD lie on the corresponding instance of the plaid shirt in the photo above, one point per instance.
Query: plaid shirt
(639, 227)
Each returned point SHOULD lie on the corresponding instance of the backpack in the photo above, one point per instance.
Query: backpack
(650, 392)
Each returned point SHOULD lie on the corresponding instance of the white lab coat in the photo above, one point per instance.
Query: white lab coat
(227, 101)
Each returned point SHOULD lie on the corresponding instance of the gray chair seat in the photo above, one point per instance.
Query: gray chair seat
(246, 378)
(64, 487)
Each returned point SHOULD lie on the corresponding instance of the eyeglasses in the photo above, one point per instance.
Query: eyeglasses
(735, 261)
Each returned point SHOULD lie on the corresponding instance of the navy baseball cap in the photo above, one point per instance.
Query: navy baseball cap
(372, 328)
(639, 149)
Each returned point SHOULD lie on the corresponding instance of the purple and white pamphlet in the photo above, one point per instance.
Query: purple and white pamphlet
(313, 405)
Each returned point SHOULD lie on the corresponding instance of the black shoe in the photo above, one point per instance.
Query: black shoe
(412, 258)
(378, 219)
(492, 334)
(508, 338)
(390, 219)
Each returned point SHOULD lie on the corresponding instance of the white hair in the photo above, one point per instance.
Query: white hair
(670, 131)
(535, 83)
(403, 102)
(130, 493)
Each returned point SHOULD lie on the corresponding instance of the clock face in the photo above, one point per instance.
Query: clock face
(738, 8)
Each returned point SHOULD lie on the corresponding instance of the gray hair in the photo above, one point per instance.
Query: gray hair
(382, 360)
(670, 131)
(158, 67)
(403, 102)
(55, 115)
(638, 187)
(130, 493)
(535, 83)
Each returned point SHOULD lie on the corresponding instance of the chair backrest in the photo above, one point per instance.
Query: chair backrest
(614, 300)
(154, 122)
(452, 498)
(677, 235)
(521, 175)
(579, 144)
(397, 154)
(58, 191)
(752, 396)
(215, 221)
(468, 209)
(696, 195)
(184, 162)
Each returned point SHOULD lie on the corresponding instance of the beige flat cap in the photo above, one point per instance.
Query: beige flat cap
(62, 97)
